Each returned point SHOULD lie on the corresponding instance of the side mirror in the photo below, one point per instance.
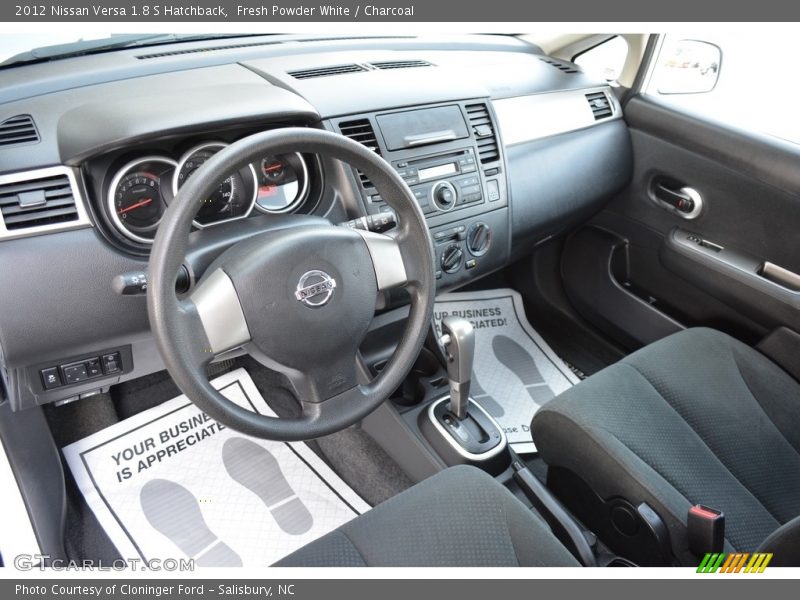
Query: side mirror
(688, 67)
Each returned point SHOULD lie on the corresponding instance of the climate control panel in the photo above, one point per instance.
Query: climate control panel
(470, 248)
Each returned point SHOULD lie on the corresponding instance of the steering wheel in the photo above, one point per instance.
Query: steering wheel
(299, 300)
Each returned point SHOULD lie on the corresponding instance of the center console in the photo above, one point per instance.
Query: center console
(451, 157)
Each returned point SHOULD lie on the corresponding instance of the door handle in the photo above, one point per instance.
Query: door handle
(684, 201)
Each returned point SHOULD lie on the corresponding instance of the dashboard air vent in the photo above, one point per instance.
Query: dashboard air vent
(483, 128)
(601, 107)
(400, 64)
(561, 66)
(326, 71)
(18, 130)
(204, 50)
(362, 132)
(37, 202)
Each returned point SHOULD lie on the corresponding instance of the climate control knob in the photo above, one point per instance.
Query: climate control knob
(452, 258)
(479, 238)
(444, 195)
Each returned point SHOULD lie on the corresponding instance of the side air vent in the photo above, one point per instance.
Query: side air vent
(37, 199)
(362, 132)
(601, 107)
(483, 128)
(326, 71)
(18, 130)
(561, 66)
(400, 64)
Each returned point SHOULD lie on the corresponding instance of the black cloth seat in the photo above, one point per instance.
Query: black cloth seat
(460, 517)
(695, 418)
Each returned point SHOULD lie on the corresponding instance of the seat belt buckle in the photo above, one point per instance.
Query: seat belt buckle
(706, 528)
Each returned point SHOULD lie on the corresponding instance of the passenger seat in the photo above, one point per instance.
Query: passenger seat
(695, 418)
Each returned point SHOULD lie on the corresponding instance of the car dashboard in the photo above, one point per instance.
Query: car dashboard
(502, 147)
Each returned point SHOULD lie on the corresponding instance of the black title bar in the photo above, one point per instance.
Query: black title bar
(464, 11)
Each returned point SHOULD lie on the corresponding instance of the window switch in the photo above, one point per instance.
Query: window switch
(111, 363)
(50, 378)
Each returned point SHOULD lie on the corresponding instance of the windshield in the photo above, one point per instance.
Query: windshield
(17, 49)
(12, 44)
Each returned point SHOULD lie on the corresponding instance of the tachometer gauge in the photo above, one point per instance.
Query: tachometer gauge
(232, 199)
(282, 182)
(136, 199)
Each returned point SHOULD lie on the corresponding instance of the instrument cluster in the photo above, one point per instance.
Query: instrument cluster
(142, 189)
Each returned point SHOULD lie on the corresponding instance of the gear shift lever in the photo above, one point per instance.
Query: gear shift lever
(458, 339)
(462, 432)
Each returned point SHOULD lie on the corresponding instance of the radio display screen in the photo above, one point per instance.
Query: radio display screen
(438, 171)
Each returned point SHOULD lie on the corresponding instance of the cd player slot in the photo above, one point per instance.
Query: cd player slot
(436, 167)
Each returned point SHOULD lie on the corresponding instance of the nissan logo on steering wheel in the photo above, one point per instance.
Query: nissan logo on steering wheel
(315, 288)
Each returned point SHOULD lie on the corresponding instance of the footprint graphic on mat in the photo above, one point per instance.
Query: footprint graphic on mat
(254, 467)
(519, 362)
(480, 396)
(175, 513)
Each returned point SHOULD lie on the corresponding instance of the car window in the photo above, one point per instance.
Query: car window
(605, 60)
(746, 81)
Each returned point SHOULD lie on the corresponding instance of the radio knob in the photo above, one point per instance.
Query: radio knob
(479, 238)
(452, 258)
(444, 195)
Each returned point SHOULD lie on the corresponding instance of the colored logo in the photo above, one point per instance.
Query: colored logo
(735, 562)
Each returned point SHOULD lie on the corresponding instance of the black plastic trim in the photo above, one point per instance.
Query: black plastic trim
(36, 463)
(589, 271)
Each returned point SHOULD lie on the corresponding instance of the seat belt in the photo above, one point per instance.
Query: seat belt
(706, 529)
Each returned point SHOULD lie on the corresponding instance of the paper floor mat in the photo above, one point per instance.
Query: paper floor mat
(515, 371)
(170, 482)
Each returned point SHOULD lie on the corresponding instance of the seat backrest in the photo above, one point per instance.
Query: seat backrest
(784, 544)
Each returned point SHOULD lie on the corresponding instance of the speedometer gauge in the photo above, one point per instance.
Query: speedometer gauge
(232, 199)
(136, 197)
(282, 182)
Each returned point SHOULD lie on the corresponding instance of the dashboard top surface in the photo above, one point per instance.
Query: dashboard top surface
(88, 105)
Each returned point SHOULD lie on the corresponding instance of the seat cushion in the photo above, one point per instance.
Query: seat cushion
(695, 418)
(459, 517)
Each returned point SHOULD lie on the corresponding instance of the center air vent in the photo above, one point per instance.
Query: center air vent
(361, 131)
(561, 66)
(483, 128)
(601, 107)
(18, 130)
(400, 64)
(36, 202)
(326, 71)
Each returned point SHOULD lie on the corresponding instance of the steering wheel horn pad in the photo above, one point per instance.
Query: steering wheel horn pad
(299, 300)
(305, 313)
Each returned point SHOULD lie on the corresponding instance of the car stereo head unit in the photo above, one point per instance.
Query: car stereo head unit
(440, 183)
(451, 157)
